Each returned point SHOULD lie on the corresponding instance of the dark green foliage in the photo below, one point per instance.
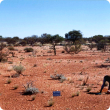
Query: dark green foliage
(31, 40)
(23, 43)
(101, 45)
(73, 36)
(47, 38)
(10, 40)
(97, 38)
(11, 48)
(28, 49)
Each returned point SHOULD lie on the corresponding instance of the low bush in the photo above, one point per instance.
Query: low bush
(50, 102)
(3, 57)
(49, 51)
(19, 69)
(11, 48)
(15, 87)
(9, 81)
(75, 94)
(76, 48)
(28, 49)
(88, 89)
(29, 89)
(59, 77)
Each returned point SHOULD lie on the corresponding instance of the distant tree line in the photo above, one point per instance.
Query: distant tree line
(74, 36)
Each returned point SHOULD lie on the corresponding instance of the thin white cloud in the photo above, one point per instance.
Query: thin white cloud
(1, 1)
(108, 1)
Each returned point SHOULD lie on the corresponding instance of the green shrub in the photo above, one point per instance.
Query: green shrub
(101, 45)
(11, 48)
(19, 69)
(28, 49)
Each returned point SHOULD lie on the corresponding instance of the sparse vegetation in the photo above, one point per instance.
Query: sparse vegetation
(71, 68)
(15, 87)
(29, 89)
(11, 48)
(50, 102)
(77, 93)
(73, 94)
(76, 48)
(3, 55)
(28, 49)
(9, 81)
(19, 69)
(88, 89)
(33, 97)
(85, 81)
(59, 77)
(45, 71)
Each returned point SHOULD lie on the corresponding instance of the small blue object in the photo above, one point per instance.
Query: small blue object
(98, 93)
(56, 93)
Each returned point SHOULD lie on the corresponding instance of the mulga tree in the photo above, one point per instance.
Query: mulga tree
(73, 38)
(31, 40)
(97, 38)
(54, 40)
(47, 38)
(101, 42)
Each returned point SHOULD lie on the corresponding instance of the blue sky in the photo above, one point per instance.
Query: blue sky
(25, 18)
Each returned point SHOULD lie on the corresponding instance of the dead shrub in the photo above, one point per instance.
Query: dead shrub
(29, 89)
(59, 77)
(85, 81)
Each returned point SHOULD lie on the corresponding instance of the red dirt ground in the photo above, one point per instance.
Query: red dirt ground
(75, 67)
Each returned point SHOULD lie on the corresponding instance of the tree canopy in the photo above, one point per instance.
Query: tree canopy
(73, 35)
(97, 38)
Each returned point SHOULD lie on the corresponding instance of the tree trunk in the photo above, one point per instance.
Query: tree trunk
(54, 49)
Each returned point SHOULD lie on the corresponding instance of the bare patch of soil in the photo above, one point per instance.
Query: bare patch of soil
(38, 68)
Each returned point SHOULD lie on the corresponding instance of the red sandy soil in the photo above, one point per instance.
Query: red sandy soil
(75, 67)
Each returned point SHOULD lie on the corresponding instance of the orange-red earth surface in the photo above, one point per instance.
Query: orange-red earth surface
(75, 67)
